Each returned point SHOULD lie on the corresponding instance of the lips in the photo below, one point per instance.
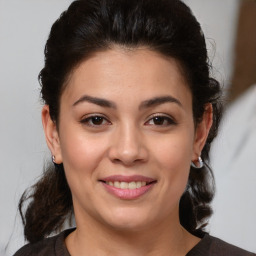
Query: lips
(128, 187)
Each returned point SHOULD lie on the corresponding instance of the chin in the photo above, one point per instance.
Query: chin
(129, 220)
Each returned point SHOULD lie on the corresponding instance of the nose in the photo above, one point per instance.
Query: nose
(128, 146)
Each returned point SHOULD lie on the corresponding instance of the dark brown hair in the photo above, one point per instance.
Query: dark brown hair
(88, 26)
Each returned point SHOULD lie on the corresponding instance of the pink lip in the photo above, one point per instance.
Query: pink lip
(128, 194)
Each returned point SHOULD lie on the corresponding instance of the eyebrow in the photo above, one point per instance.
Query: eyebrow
(158, 101)
(145, 104)
(98, 101)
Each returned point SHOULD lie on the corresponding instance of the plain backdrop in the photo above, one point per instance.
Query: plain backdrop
(24, 27)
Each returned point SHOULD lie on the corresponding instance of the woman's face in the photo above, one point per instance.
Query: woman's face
(126, 138)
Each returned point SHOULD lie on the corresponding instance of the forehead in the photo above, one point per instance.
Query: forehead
(137, 72)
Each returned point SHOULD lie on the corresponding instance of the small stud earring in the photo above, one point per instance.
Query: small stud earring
(53, 159)
(199, 163)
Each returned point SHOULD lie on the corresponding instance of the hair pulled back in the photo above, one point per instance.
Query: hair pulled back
(88, 26)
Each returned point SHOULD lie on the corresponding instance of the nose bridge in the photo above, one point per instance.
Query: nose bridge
(127, 146)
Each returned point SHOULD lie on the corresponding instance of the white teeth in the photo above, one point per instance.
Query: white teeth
(116, 184)
(126, 185)
(138, 184)
(132, 185)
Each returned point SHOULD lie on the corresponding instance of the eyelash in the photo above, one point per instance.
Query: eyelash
(89, 119)
(170, 121)
(164, 120)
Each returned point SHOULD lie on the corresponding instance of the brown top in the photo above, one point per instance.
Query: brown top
(55, 246)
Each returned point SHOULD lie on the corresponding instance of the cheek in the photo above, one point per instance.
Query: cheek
(173, 157)
(174, 152)
(81, 154)
(175, 164)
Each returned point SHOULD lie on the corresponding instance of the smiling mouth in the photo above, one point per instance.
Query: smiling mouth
(128, 185)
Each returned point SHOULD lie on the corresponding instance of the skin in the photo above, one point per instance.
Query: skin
(128, 140)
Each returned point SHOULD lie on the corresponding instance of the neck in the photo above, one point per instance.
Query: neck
(165, 238)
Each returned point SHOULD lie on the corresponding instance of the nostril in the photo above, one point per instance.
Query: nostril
(116, 160)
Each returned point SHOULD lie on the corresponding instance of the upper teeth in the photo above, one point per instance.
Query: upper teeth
(127, 185)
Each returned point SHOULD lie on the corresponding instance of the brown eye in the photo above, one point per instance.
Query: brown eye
(95, 121)
(161, 121)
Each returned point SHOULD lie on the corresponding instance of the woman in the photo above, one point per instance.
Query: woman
(130, 113)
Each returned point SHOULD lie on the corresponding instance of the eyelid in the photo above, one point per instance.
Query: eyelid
(163, 115)
(86, 118)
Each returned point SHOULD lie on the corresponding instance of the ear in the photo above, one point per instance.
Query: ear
(51, 134)
(202, 131)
